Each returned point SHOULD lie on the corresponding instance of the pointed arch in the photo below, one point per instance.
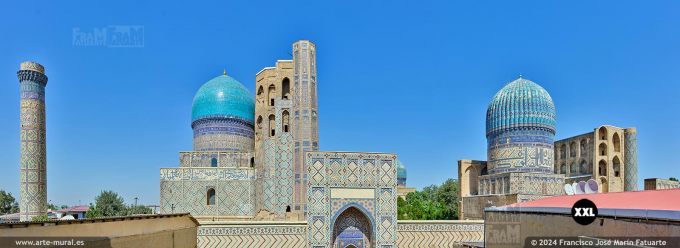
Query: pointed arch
(285, 119)
(603, 133)
(583, 167)
(602, 149)
(616, 140)
(602, 168)
(353, 223)
(616, 164)
(584, 149)
(272, 125)
(271, 95)
(210, 196)
(285, 88)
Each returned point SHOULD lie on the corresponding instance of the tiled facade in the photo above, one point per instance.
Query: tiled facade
(360, 189)
(33, 161)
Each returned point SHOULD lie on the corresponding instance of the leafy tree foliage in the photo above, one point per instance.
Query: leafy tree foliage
(107, 203)
(8, 205)
(40, 218)
(138, 209)
(432, 203)
(673, 179)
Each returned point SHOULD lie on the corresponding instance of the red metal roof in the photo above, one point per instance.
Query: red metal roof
(666, 199)
(82, 208)
(657, 204)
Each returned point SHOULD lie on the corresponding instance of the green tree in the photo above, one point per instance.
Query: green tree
(107, 203)
(139, 209)
(42, 217)
(8, 205)
(673, 179)
(432, 203)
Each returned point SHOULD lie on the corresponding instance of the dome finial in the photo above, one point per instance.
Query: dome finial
(225, 72)
(520, 75)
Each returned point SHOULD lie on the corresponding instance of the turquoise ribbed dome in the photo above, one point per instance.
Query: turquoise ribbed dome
(223, 96)
(521, 104)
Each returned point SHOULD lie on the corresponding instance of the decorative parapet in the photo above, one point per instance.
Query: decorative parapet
(216, 173)
(437, 233)
(217, 158)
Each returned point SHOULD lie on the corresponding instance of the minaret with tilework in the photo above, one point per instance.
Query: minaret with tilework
(305, 119)
(33, 162)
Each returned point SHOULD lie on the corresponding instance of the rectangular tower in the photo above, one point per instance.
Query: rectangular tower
(33, 165)
(305, 124)
(274, 139)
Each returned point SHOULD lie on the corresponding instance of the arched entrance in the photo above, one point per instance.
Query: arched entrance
(352, 229)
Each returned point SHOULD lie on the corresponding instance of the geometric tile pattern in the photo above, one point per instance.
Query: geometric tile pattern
(184, 189)
(410, 234)
(33, 163)
(331, 170)
(630, 160)
(304, 112)
(418, 234)
(276, 174)
(520, 128)
(257, 235)
(223, 159)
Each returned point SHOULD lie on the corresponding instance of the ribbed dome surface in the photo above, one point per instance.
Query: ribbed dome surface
(223, 96)
(520, 104)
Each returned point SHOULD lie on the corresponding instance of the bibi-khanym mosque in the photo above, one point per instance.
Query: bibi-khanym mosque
(256, 177)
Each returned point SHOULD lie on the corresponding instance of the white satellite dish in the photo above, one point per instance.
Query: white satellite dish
(577, 189)
(568, 189)
(592, 187)
(582, 185)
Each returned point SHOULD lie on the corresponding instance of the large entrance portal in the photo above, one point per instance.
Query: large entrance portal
(352, 229)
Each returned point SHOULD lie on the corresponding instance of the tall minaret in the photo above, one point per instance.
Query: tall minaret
(305, 127)
(33, 165)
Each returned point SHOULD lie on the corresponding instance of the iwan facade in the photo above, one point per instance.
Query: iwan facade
(256, 174)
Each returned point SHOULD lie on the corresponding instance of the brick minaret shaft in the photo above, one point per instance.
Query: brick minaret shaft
(33, 162)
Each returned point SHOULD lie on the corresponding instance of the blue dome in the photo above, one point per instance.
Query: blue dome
(401, 170)
(223, 96)
(520, 105)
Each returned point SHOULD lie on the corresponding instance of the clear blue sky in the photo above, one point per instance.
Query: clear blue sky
(409, 77)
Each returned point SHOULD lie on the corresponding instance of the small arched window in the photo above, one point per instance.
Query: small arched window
(583, 167)
(603, 149)
(285, 120)
(285, 91)
(563, 168)
(272, 126)
(213, 162)
(602, 168)
(288, 209)
(252, 162)
(572, 149)
(574, 169)
(271, 94)
(210, 196)
(563, 151)
(603, 133)
(617, 142)
(583, 149)
(616, 163)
